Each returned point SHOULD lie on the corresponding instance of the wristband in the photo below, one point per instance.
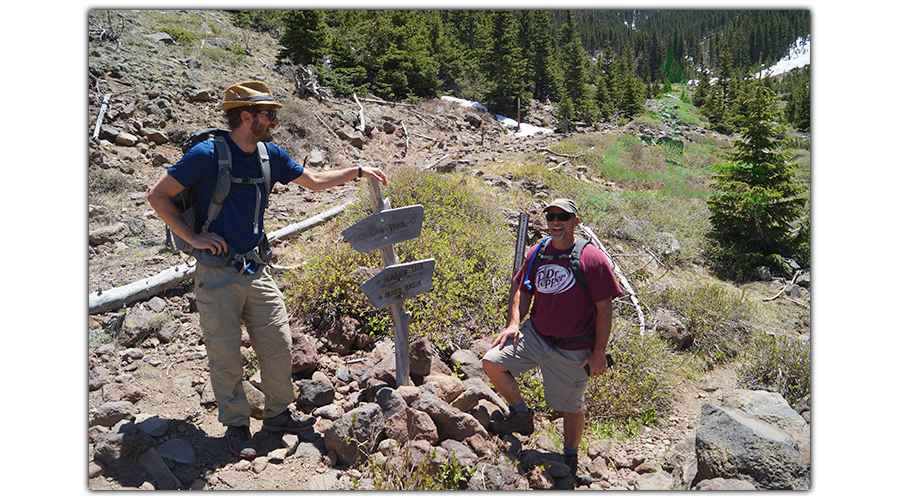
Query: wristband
(358, 172)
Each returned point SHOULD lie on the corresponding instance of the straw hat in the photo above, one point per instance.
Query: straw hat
(248, 94)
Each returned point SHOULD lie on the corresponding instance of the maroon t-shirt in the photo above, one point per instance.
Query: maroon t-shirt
(560, 307)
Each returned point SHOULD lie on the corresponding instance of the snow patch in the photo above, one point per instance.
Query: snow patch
(525, 130)
(798, 57)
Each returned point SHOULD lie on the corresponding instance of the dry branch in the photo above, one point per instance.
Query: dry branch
(326, 125)
(783, 289)
(424, 137)
(619, 274)
(362, 115)
(548, 150)
(386, 103)
(442, 158)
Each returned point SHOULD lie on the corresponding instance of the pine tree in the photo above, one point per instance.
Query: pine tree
(574, 70)
(545, 67)
(305, 39)
(759, 200)
(506, 68)
(603, 102)
(702, 92)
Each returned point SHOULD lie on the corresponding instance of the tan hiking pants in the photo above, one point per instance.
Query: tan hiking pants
(224, 300)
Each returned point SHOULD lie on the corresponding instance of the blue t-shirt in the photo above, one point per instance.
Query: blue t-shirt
(235, 221)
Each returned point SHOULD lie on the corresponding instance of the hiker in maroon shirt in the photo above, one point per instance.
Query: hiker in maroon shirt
(566, 333)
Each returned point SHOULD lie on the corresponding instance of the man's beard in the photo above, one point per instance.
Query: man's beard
(259, 132)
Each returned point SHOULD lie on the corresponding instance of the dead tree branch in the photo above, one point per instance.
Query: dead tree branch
(623, 279)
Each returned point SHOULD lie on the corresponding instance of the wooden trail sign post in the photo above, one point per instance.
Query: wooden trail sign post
(396, 282)
(521, 241)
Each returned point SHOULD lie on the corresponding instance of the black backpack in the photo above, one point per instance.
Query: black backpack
(188, 203)
(574, 263)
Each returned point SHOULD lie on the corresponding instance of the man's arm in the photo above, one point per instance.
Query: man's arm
(597, 359)
(330, 178)
(518, 305)
(160, 198)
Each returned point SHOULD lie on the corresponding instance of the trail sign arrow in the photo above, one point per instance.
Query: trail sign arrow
(397, 283)
(385, 228)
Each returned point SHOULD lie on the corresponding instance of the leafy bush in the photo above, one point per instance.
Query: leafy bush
(641, 386)
(720, 320)
(180, 35)
(472, 249)
(777, 364)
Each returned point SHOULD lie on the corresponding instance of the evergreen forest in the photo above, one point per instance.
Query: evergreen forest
(595, 64)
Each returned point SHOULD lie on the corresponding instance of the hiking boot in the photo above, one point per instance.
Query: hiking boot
(572, 462)
(521, 422)
(289, 422)
(240, 444)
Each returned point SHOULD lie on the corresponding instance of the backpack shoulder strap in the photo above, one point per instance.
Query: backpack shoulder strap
(575, 265)
(534, 262)
(223, 179)
(263, 153)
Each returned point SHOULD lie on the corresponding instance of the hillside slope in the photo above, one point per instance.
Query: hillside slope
(159, 87)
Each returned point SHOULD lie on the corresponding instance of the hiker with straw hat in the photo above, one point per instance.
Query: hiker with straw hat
(232, 290)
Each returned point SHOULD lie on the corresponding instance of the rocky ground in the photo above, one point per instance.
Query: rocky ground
(157, 389)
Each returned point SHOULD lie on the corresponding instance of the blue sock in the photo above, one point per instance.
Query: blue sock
(569, 451)
(521, 407)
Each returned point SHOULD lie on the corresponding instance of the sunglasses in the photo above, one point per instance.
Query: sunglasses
(273, 113)
(562, 216)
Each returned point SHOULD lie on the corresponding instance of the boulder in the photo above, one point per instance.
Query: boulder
(446, 387)
(468, 365)
(731, 444)
(108, 234)
(409, 424)
(720, 484)
(304, 359)
(772, 408)
(341, 335)
(671, 329)
(451, 423)
(358, 428)
(314, 393)
(109, 414)
(135, 327)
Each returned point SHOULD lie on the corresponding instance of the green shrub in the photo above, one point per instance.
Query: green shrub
(777, 364)
(642, 384)
(720, 320)
(181, 36)
(472, 249)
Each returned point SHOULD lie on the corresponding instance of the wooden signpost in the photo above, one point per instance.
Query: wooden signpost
(385, 228)
(396, 282)
(521, 240)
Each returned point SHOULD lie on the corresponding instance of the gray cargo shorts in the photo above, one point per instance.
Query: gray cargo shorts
(564, 379)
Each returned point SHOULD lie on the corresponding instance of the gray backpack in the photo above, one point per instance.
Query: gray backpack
(188, 203)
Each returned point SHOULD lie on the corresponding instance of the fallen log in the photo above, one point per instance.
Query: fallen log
(102, 301)
(100, 115)
(107, 300)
